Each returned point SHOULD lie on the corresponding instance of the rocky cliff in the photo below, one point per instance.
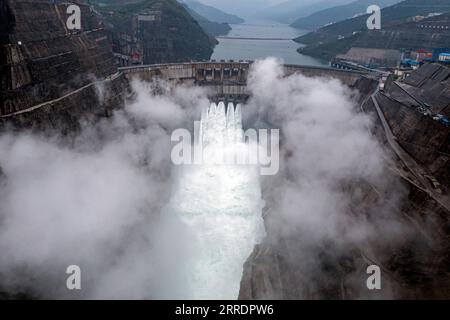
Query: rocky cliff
(210, 27)
(339, 13)
(157, 31)
(41, 59)
(414, 266)
(410, 105)
(294, 267)
(399, 30)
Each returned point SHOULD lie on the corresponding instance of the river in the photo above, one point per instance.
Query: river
(249, 49)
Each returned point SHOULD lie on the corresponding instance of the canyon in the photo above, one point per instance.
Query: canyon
(53, 82)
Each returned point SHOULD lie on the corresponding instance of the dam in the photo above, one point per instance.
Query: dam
(259, 268)
(226, 81)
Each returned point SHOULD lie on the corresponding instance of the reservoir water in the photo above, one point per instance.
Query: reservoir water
(233, 47)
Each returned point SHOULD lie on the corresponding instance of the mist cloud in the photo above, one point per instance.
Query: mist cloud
(334, 194)
(100, 202)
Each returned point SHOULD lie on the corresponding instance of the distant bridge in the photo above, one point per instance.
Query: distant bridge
(263, 39)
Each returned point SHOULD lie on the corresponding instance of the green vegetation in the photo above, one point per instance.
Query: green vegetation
(337, 38)
(392, 15)
(212, 28)
(211, 13)
(290, 10)
(177, 31)
(326, 51)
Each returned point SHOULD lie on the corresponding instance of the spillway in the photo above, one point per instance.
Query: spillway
(219, 202)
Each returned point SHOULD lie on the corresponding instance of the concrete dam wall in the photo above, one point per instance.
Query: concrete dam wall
(227, 81)
(41, 59)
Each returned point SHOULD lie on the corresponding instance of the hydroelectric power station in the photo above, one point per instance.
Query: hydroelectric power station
(239, 261)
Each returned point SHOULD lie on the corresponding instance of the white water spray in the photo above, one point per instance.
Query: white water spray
(221, 206)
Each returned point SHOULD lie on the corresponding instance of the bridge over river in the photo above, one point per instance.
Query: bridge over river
(255, 38)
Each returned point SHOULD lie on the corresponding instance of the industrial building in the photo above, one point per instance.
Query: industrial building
(372, 58)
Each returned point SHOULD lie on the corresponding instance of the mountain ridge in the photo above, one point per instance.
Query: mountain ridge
(407, 35)
(391, 15)
(337, 13)
(184, 39)
(211, 13)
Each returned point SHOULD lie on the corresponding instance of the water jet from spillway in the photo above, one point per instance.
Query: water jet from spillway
(220, 206)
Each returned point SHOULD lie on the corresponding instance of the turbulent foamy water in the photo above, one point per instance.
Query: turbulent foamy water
(220, 204)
